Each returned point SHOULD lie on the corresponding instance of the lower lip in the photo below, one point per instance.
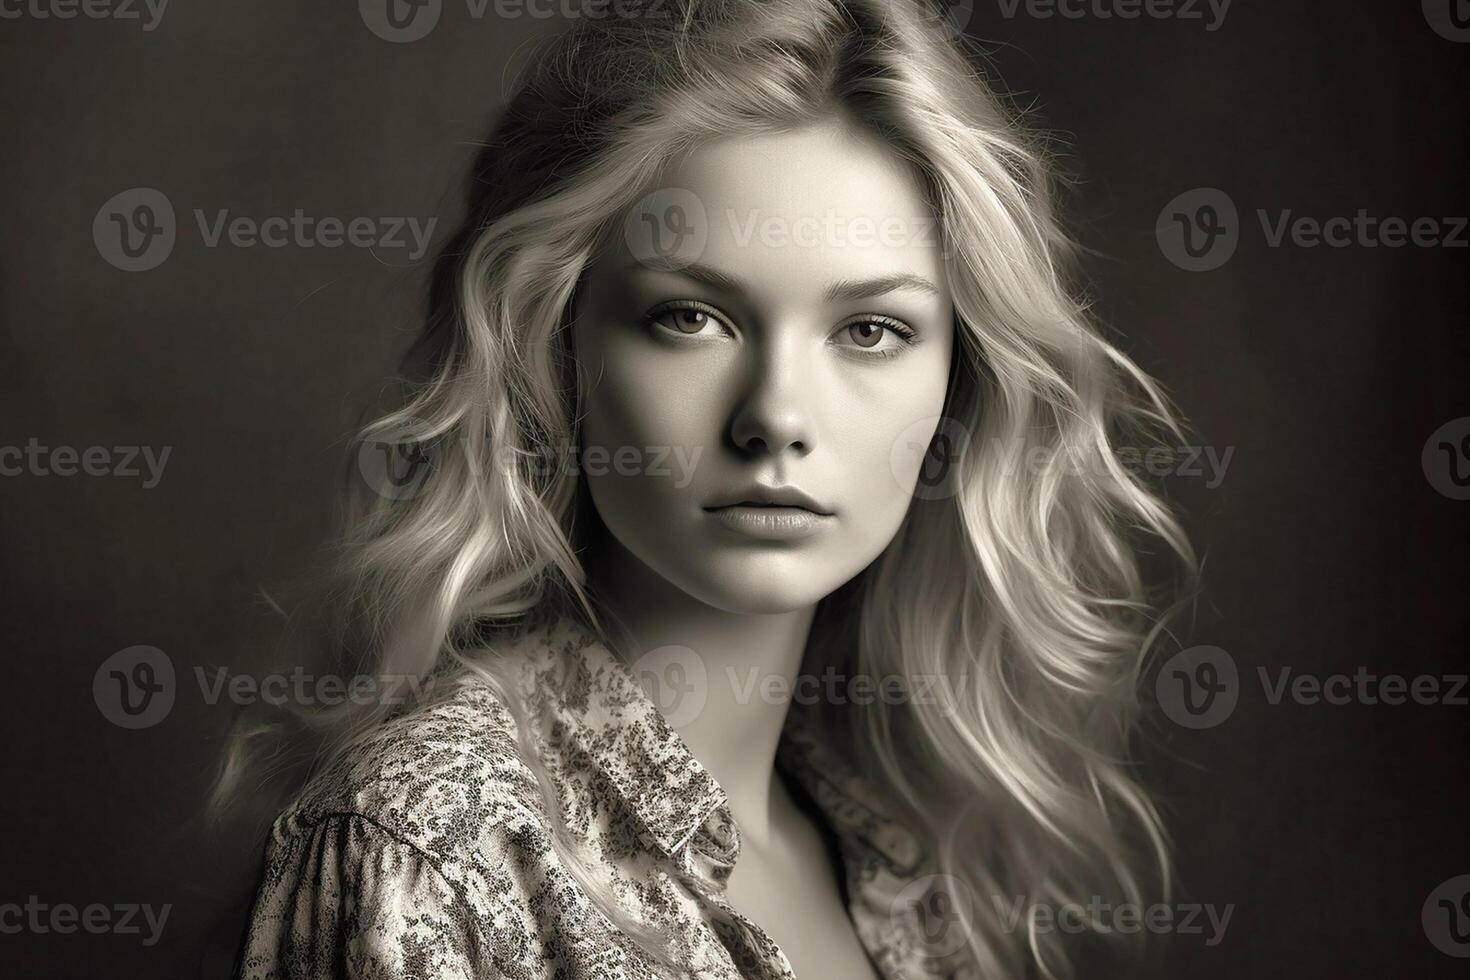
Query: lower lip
(771, 523)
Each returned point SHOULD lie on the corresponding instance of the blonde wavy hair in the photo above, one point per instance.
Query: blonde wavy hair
(1023, 586)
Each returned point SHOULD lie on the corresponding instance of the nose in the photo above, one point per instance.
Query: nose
(773, 416)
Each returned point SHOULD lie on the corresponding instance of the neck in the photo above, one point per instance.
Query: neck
(750, 663)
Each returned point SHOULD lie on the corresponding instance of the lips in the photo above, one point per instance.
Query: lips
(784, 497)
(769, 523)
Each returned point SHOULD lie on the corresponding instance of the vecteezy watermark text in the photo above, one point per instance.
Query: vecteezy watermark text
(136, 687)
(669, 228)
(678, 680)
(1363, 686)
(309, 231)
(832, 686)
(1210, 12)
(136, 229)
(1200, 687)
(64, 918)
(34, 459)
(401, 470)
(301, 687)
(148, 12)
(405, 21)
(1207, 462)
(1200, 229)
(1126, 918)
(831, 229)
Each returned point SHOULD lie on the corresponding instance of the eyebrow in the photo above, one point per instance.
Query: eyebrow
(842, 289)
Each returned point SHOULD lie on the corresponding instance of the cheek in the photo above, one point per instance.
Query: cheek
(616, 395)
(881, 470)
(641, 410)
(639, 414)
(885, 438)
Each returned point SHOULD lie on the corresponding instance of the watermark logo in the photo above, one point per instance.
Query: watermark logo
(1199, 229)
(134, 688)
(401, 470)
(836, 687)
(925, 458)
(135, 229)
(1450, 19)
(678, 681)
(939, 905)
(1198, 687)
(1201, 686)
(400, 21)
(1446, 459)
(397, 470)
(1446, 917)
(832, 230)
(675, 679)
(953, 17)
(667, 229)
(405, 21)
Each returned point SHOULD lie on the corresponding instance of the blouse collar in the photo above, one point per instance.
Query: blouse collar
(602, 718)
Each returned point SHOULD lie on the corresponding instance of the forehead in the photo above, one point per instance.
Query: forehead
(802, 208)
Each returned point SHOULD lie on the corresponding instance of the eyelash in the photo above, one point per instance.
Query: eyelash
(906, 334)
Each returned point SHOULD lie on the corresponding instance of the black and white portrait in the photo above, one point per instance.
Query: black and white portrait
(735, 489)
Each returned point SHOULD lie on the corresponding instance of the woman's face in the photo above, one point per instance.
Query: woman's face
(774, 315)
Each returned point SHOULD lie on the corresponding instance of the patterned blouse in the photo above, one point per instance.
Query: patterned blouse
(426, 853)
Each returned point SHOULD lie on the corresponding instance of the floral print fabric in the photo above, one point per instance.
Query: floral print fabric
(427, 852)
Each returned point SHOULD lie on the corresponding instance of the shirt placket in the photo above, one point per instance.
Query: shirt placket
(749, 946)
(705, 863)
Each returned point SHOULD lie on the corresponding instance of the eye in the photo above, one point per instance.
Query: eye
(687, 317)
(876, 336)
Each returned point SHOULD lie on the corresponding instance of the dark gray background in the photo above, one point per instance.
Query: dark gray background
(1324, 369)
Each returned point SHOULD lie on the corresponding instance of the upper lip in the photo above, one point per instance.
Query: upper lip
(762, 495)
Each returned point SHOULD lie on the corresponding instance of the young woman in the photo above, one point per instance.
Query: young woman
(759, 598)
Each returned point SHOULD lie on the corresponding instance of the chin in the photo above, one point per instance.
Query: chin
(756, 586)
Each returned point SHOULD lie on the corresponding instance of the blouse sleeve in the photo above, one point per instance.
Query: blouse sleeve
(345, 899)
